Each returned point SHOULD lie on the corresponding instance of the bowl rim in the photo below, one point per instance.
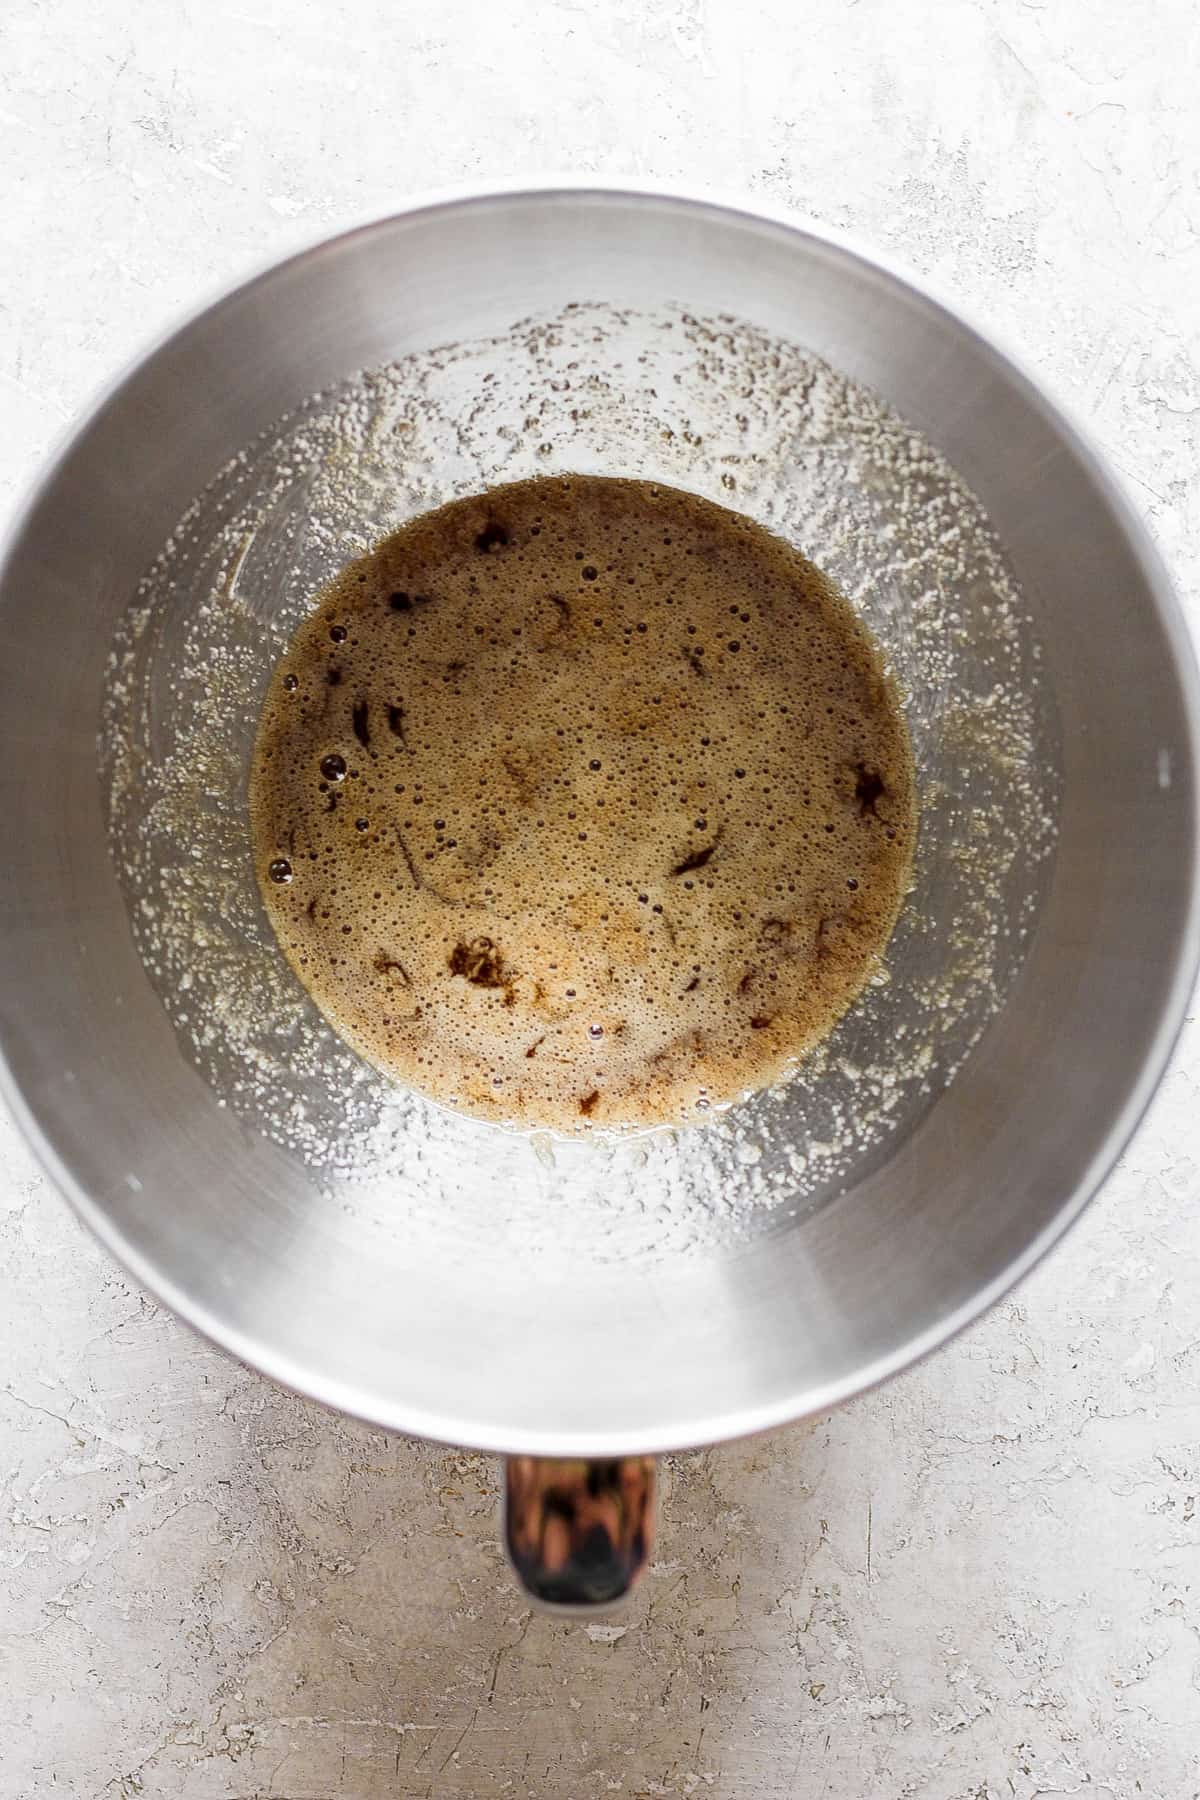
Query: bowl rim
(725, 206)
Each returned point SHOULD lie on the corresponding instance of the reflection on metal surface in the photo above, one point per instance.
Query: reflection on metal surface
(445, 1278)
(579, 1533)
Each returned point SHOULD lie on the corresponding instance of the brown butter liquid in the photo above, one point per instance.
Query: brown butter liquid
(583, 802)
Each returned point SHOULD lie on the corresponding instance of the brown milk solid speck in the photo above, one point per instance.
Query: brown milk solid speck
(582, 803)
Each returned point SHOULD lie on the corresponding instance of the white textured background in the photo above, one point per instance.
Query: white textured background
(981, 1584)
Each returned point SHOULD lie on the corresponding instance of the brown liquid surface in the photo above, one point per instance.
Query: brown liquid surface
(582, 803)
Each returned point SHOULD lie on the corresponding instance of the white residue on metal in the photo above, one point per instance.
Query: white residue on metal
(709, 404)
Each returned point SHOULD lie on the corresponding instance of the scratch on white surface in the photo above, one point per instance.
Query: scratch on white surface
(606, 1634)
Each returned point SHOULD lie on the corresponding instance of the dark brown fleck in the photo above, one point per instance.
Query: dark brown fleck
(480, 963)
(696, 860)
(409, 864)
(494, 536)
(391, 965)
(868, 789)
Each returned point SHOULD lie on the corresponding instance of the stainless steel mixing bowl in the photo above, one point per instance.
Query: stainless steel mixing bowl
(480, 1322)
